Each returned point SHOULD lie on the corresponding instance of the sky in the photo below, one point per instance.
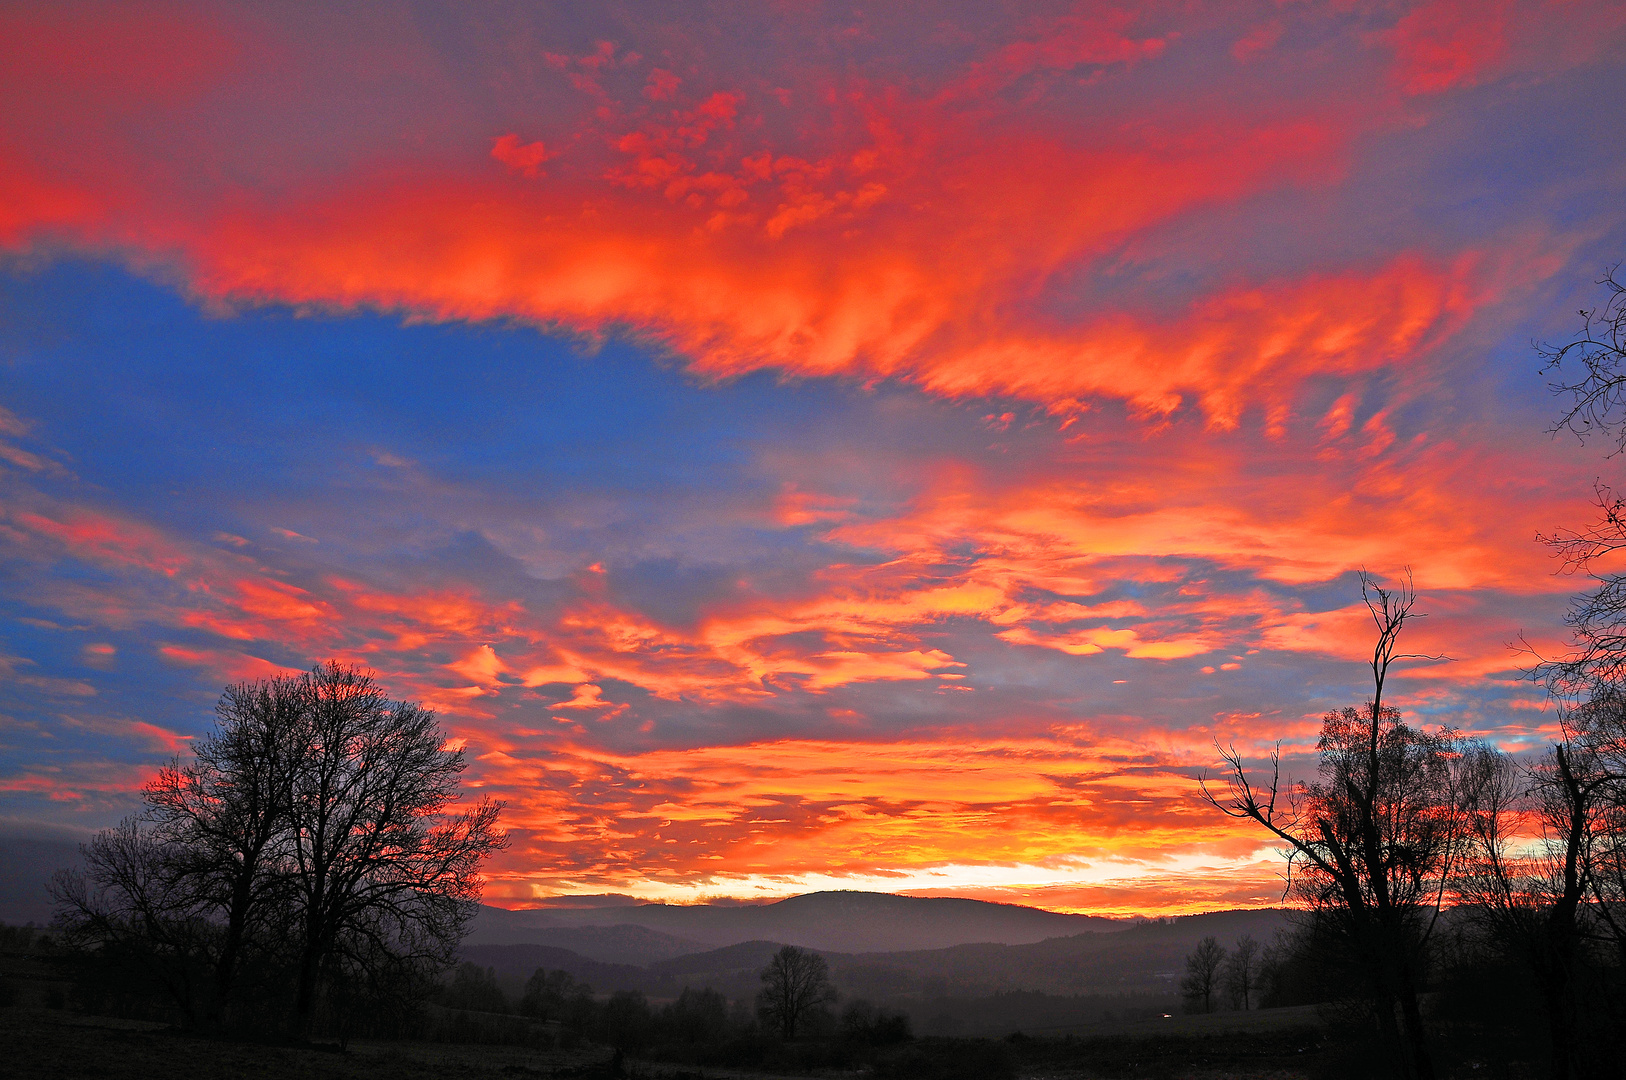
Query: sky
(795, 445)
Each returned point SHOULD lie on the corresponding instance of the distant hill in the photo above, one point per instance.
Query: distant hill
(518, 962)
(845, 922)
(1142, 959)
(1147, 957)
(620, 944)
(26, 866)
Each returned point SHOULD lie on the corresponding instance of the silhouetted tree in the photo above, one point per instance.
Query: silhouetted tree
(1548, 905)
(795, 983)
(312, 827)
(1531, 902)
(1290, 972)
(697, 1017)
(1241, 973)
(551, 995)
(134, 907)
(1590, 369)
(474, 987)
(1202, 978)
(196, 872)
(224, 813)
(379, 870)
(626, 1021)
(863, 1023)
(1372, 845)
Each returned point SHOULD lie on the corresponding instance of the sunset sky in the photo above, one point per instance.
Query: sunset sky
(794, 445)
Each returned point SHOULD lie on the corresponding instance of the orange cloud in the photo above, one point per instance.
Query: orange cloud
(720, 817)
(906, 305)
(225, 663)
(100, 537)
(166, 740)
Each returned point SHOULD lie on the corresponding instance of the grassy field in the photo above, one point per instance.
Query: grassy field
(50, 1044)
(1258, 1021)
(43, 1039)
(53, 1044)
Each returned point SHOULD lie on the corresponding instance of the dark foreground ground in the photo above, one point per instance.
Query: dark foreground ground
(47, 1044)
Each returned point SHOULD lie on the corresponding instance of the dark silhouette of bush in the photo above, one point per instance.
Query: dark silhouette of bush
(474, 988)
(625, 1022)
(554, 995)
(948, 1059)
(697, 1017)
(864, 1024)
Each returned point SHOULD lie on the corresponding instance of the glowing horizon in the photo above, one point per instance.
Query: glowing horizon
(792, 449)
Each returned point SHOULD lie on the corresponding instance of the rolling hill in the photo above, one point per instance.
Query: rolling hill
(845, 922)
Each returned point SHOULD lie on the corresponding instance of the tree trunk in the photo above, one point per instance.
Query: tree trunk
(226, 965)
(310, 964)
(1560, 1024)
(1416, 1048)
(1393, 1040)
(1558, 993)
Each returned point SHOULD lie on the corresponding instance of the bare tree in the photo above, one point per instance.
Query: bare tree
(1595, 376)
(135, 902)
(1202, 978)
(794, 983)
(1582, 799)
(382, 874)
(224, 813)
(1241, 973)
(1548, 903)
(1533, 902)
(1373, 844)
(198, 865)
(316, 822)
(1590, 369)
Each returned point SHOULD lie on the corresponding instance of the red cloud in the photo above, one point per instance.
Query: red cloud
(526, 160)
(1449, 43)
(1441, 45)
(662, 85)
(918, 238)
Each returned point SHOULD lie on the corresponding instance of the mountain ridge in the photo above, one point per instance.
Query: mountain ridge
(845, 921)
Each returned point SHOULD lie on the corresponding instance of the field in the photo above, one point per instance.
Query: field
(41, 1038)
(49, 1044)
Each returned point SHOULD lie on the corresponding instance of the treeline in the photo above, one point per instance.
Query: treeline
(699, 1027)
(305, 871)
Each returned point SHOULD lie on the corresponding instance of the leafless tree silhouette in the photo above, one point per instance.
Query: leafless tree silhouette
(1541, 905)
(380, 873)
(1595, 376)
(199, 865)
(1202, 978)
(1373, 844)
(315, 826)
(794, 983)
(1241, 973)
